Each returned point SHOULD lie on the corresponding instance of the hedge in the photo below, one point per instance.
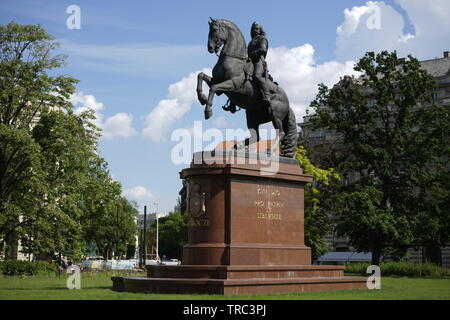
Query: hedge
(408, 269)
(18, 268)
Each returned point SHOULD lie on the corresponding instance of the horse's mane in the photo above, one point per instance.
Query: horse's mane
(228, 23)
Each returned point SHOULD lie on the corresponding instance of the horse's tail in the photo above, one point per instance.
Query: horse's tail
(289, 141)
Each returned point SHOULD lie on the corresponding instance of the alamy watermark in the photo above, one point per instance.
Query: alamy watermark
(374, 281)
(74, 20)
(193, 141)
(373, 22)
(73, 281)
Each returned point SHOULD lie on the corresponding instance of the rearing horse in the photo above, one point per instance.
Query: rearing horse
(230, 76)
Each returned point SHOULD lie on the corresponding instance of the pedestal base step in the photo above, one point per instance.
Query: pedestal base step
(232, 280)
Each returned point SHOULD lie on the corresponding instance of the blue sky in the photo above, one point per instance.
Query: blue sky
(128, 53)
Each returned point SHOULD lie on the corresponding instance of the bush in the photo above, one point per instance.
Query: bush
(407, 269)
(26, 268)
(45, 268)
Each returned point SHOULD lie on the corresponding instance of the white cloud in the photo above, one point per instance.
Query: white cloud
(141, 195)
(355, 36)
(431, 21)
(118, 125)
(298, 74)
(352, 18)
(179, 100)
(83, 102)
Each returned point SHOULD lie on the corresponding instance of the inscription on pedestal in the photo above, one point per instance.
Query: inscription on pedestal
(270, 202)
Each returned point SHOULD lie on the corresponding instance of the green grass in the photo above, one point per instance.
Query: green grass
(98, 286)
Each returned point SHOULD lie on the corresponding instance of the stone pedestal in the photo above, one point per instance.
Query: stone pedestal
(246, 232)
(253, 214)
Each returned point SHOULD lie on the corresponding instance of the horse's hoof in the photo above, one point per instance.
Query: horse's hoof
(208, 114)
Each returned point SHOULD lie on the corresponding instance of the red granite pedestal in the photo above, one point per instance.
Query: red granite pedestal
(246, 233)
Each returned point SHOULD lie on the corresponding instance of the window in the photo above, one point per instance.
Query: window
(318, 134)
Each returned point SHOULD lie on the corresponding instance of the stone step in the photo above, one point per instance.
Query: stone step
(244, 272)
(236, 286)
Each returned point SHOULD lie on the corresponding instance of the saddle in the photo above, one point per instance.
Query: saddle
(248, 70)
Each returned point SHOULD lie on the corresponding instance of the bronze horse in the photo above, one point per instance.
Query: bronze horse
(231, 75)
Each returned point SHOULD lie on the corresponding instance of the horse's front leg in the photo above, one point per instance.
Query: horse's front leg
(225, 86)
(200, 95)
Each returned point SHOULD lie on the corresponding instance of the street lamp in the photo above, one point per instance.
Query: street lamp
(157, 231)
(145, 238)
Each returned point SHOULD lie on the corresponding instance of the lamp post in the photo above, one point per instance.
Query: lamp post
(117, 232)
(145, 229)
(157, 232)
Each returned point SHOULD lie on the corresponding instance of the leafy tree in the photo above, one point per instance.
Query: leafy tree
(109, 218)
(395, 145)
(27, 93)
(67, 143)
(172, 235)
(317, 223)
(55, 191)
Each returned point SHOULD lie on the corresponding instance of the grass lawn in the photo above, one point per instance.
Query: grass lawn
(98, 286)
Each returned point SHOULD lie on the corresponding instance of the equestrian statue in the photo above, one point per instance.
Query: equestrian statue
(241, 73)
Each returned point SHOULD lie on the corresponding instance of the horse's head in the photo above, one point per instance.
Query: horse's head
(217, 35)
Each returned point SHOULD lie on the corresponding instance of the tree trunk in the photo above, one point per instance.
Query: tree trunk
(433, 254)
(376, 256)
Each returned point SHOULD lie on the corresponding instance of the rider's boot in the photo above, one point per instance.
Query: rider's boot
(265, 93)
(231, 108)
(266, 98)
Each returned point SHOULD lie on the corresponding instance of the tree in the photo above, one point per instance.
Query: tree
(395, 144)
(27, 93)
(56, 193)
(109, 218)
(172, 234)
(317, 223)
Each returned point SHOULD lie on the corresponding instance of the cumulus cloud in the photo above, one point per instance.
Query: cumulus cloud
(377, 26)
(83, 102)
(371, 27)
(140, 194)
(431, 21)
(118, 125)
(179, 100)
(298, 74)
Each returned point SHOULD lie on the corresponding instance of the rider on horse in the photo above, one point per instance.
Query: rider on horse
(230, 76)
(257, 51)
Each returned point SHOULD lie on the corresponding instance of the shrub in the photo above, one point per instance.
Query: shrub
(45, 268)
(408, 269)
(357, 268)
(27, 268)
